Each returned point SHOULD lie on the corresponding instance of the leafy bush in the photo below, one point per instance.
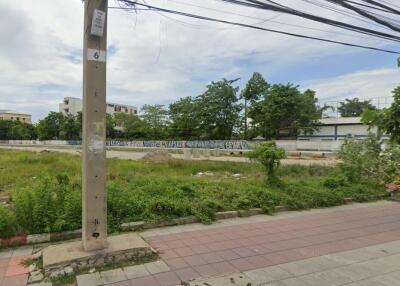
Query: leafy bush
(335, 182)
(269, 155)
(368, 159)
(8, 225)
(43, 209)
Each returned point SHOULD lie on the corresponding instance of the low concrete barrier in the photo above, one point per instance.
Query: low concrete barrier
(217, 145)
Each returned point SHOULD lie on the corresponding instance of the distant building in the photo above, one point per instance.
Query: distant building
(73, 105)
(15, 116)
(339, 129)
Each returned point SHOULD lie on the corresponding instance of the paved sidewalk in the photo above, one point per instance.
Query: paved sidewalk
(12, 273)
(355, 245)
(375, 266)
(298, 243)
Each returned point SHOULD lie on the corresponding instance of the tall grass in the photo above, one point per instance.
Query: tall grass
(46, 190)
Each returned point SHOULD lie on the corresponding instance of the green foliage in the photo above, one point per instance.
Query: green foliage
(392, 118)
(155, 117)
(335, 182)
(133, 126)
(386, 120)
(48, 207)
(367, 159)
(354, 107)
(8, 225)
(218, 110)
(268, 155)
(285, 109)
(46, 192)
(15, 130)
(50, 127)
(255, 88)
(185, 121)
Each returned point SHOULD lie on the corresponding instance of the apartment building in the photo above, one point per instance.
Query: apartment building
(15, 116)
(73, 105)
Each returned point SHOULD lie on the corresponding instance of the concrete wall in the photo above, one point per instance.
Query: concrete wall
(234, 145)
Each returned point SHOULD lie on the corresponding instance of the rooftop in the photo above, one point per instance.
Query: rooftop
(340, 120)
(4, 111)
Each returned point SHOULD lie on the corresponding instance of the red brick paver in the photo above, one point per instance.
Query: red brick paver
(228, 249)
(12, 273)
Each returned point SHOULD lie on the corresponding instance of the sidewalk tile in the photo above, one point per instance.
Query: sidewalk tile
(157, 267)
(135, 271)
(113, 276)
(19, 280)
(145, 281)
(187, 274)
(93, 279)
(167, 278)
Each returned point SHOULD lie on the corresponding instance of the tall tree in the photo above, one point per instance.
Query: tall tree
(219, 110)
(156, 117)
(131, 125)
(71, 128)
(255, 88)
(184, 116)
(354, 107)
(392, 122)
(284, 107)
(49, 128)
(15, 130)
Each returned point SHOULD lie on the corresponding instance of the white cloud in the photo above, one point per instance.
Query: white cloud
(154, 60)
(362, 84)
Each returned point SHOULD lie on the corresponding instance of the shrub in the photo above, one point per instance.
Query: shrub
(367, 159)
(205, 210)
(43, 208)
(8, 224)
(335, 182)
(268, 155)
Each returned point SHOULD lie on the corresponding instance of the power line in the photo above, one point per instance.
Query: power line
(287, 10)
(365, 14)
(134, 4)
(270, 20)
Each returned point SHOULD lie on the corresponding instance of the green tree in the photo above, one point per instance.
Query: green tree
(131, 125)
(354, 107)
(111, 132)
(15, 130)
(184, 116)
(268, 155)
(255, 88)
(50, 127)
(392, 118)
(284, 107)
(218, 109)
(386, 120)
(156, 118)
(71, 128)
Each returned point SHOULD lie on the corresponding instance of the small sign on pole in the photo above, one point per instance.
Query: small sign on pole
(99, 18)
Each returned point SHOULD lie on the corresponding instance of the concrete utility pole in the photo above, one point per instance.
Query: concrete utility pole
(94, 196)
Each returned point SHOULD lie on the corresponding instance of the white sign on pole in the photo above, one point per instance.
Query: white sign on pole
(98, 21)
(96, 55)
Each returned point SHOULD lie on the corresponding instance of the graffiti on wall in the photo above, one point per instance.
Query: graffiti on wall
(203, 144)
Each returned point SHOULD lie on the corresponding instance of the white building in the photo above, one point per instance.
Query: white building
(73, 105)
(331, 129)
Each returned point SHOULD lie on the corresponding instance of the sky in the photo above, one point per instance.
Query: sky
(156, 59)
